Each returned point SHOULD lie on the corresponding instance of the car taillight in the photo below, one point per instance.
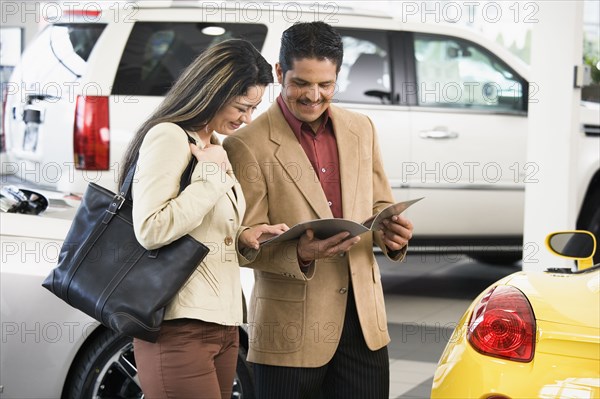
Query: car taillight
(2, 124)
(90, 13)
(91, 141)
(503, 325)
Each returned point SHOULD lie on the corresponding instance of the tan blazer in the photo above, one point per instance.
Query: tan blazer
(207, 209)
(296, 319)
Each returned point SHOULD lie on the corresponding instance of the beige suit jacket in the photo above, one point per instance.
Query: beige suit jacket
(296, 319)
(208, 209)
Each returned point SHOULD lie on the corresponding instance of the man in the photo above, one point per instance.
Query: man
(317, 316)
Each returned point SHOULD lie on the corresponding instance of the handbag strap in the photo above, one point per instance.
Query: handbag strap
(186, 176)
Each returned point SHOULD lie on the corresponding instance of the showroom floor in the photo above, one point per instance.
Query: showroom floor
(417, 345)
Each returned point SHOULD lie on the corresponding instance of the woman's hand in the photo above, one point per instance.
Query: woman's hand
(211, 153)
(252, 237)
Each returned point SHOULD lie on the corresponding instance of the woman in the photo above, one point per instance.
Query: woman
(195, 355)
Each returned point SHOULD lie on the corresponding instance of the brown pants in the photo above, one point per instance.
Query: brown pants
(191, 359)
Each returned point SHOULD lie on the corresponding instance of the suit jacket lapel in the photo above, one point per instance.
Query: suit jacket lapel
(296, 164)
(348, 144)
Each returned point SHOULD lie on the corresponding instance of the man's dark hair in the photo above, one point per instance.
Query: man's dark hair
(310, 40)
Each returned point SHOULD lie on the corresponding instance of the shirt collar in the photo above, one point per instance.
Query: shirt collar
(295, 123)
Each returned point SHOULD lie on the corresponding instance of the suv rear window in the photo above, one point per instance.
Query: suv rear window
(70, 45)
(157, 52)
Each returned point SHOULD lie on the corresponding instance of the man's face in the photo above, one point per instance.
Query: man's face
(308, 87)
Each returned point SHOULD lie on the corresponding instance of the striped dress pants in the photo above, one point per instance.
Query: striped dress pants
(354, 371)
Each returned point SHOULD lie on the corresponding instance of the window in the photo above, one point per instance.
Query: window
(71, 44)
(365, 73)
(157, 52)
(455, 73)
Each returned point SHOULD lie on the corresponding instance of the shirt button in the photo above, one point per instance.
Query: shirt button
(323, 170)
(343, 290)
(228, 240)
(330, 203)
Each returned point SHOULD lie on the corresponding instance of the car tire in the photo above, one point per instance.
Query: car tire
(498, 259)
(589, 215)
(243, 384)
(105, 368)
(594, 228)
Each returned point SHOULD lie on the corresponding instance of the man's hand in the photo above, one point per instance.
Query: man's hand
(311, 248)
(396, 231)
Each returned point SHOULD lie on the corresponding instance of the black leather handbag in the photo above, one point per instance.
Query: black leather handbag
(104, 272)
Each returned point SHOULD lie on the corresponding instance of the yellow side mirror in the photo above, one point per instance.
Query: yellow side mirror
(577, 244)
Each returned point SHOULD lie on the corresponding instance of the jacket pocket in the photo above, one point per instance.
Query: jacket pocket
(379, 301)
(278, 315)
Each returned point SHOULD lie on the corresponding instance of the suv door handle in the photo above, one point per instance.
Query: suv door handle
(438, 133)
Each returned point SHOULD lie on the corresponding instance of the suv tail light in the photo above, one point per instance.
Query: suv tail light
(503, 325)
(91, 141)
(2, 124)
(93, 14)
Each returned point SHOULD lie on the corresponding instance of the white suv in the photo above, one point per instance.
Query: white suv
(449, 106)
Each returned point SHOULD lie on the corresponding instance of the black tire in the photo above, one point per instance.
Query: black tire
(243, 384)
(498, 259)
(594, 228)
(105, 368)
(589, 215)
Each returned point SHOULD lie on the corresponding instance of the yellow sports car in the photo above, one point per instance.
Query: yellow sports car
(531, 334)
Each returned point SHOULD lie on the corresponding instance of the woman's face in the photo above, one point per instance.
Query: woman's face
(237, 112)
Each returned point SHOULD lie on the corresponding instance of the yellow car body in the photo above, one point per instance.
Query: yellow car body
(565, 357)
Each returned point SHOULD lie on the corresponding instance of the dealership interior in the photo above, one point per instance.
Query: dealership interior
(437, 296)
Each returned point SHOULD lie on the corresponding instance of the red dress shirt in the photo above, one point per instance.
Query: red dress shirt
(321, 149)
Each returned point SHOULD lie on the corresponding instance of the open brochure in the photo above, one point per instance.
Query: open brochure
(325, 228)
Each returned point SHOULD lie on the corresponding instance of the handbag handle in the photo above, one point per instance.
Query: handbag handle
(186, 176)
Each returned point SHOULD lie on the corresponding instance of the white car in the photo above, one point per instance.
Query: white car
(450, 107)
(49, 349)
